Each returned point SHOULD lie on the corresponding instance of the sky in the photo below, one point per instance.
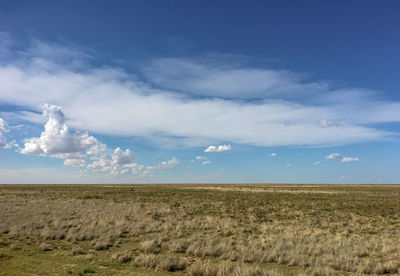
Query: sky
(199, 91)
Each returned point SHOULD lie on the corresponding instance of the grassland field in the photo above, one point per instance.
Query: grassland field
(199, 229)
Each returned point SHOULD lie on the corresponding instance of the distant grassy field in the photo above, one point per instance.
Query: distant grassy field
(199, 229)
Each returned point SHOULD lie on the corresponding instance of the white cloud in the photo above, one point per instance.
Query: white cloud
(56, 140)
(167, 165)
(116, 163)
(74, 162)
(122, 161)
(227, 79)
(211, 149)
(208, 162)
(124, 171)
(11, 144)
(3, 125)
(100, 99)
(138, 169)
(272, 154)
(326, 123)
(317, 163)
(96, 149)
(219, 148)
(3, 129)
(201, 157)
(288, 165)
(333, 156)
(350, 159)
(120, 157)
(101, 165)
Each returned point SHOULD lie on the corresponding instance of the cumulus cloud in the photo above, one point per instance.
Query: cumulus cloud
(77, 147)
(56, 140)
(219, 148)
(208, 162)
(333, 156)
(288, 165)
(121, 162)
(317, 163)
(211, 149)
(167, 165)
(121, 157)
(74, 163)
(350, 159)
(102, 164)
(96, 149)
(272, 154)
(200, 157)
(344, 159)
(100, 99)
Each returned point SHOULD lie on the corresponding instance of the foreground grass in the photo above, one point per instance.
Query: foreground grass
(199, 229)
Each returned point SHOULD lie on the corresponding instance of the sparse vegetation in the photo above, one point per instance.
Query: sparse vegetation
(45, 247)
(199, 229)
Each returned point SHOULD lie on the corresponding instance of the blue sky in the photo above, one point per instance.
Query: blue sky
(138, 91)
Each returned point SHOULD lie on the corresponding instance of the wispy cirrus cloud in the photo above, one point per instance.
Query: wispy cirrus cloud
(4, 129)
(99, 99)
(326, 123)
(219, 78)
(350, 159)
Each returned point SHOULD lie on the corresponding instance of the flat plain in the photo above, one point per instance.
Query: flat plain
(199, 229)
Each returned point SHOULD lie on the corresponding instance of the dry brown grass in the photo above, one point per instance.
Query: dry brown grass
(289, 190)
(209, 268)
(123, 257)
(226, 230)
(167, 263)
(45, 246)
